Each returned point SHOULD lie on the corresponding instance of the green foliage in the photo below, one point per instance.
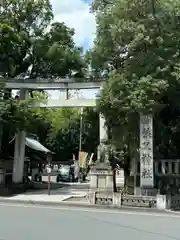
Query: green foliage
(64, 134)
(31, 45)
(143, 48)
(10, 44)
(19, 114)
(59, 130)
(22, 22)
(61, 119)
(30, 16)
(137, 51)
(26, 41)
(55, 54)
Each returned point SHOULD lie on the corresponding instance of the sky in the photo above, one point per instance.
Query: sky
(76, 14)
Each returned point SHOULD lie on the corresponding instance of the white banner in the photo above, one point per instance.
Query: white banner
(146, 151)
(120, 178)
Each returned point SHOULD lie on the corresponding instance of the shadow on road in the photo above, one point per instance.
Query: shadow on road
(38, 188)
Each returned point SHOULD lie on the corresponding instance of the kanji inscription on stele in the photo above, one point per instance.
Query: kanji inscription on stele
(146, 151)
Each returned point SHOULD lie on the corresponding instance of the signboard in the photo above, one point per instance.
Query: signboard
(82, 159)
(146, 151)
(120, 178)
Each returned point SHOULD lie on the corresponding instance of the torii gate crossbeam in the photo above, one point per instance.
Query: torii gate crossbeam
(49, 84)
(62, 84)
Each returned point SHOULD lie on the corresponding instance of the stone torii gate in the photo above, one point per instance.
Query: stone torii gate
(64, 85)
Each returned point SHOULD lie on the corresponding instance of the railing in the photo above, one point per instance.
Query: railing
(175, 201)
(119, 200)
(164, 167)
(103, 199)
(125, 200)
(138, 201)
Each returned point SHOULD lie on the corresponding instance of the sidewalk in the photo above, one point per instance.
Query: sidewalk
(37, 198)
(57, 202)
(58, 195)
(44, 199)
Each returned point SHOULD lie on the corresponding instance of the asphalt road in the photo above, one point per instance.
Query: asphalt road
(42, 223)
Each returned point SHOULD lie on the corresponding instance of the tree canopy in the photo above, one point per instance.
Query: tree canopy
(33, 45)
(59, 130)
(137, 51)
(30, 46)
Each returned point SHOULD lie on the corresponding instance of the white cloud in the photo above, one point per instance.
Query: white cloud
(76, 14)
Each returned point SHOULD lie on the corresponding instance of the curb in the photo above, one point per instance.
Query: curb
(64, 203)
(81, 205)
(172, 211)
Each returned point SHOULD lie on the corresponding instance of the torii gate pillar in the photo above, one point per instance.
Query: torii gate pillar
(19, 149)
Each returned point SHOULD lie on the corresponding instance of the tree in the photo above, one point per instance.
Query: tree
(55, 54)
(59, 130)
(28, 48)
(64, 134)
(22, 22)
(15, 116)
(142, 69)
(137, 51)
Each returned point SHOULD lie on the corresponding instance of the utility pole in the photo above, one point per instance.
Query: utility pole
(80, 138)
(49, 159)
(80, 130)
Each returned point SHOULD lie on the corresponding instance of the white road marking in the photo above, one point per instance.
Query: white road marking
(81, 209)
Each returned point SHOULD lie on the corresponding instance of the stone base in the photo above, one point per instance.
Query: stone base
(160, 202)
(101, 178)
(105, 198)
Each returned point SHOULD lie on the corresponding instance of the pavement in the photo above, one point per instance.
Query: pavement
(64, 192)
(67, 195)
(20, 222)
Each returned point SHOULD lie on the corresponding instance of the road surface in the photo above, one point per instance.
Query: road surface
(21, 222)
